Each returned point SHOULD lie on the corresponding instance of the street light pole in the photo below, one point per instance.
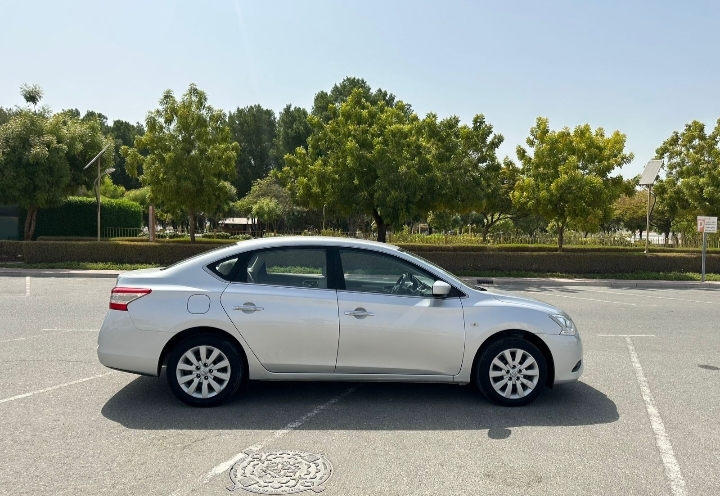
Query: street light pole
(97, 194)
(97, 183)
(97, 198)
(649, 175)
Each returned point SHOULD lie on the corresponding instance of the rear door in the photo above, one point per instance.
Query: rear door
(285, 308)
(389, 321)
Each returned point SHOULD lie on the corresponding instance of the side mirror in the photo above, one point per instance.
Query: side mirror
(441, 288)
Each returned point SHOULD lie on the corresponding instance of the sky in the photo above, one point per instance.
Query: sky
(645, 68)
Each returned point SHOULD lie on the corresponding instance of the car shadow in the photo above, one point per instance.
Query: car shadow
(146, 403)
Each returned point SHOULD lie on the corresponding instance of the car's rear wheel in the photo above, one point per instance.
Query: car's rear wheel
(204, 370)
(511, 372)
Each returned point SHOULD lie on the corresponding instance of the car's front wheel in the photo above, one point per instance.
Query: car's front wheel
(204, 370)
(511, 371)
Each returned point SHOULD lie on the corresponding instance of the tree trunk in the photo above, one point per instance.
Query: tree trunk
(561, 237)
(192, 227)
(381, 226)
(485, 230)
(30, 219)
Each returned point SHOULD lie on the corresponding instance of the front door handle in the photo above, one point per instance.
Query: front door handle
(359, 313)
(248, 307)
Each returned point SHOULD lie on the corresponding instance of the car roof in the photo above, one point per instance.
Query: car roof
(275, 241)
(280, 242)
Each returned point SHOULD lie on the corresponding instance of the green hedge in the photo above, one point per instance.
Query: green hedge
(11, 251)
(164, 253)
(573, 263)
(140, 239)
(77, 216)
(422, 248)
(116, 252)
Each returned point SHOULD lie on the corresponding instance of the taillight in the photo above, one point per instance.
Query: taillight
(120, 297)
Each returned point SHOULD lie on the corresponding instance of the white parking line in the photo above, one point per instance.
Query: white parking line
(54, 331)
(672, 468)
(626, 335)
(52, 388)
(27, 286)
(226, 465)
(71, 330)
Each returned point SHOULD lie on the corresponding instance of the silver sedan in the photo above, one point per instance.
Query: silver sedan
(335, 309)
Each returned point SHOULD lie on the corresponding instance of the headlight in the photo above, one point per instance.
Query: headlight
(567, 326)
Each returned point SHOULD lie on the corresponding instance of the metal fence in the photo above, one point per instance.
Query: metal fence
(121, 232)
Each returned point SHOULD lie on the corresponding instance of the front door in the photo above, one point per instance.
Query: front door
(389, 321)
(283, 308)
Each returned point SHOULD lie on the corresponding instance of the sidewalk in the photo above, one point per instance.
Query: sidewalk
(514, 282)
(488, 282)
(20, 272)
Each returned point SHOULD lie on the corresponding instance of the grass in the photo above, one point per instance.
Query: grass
(641, 276)
(78, 266)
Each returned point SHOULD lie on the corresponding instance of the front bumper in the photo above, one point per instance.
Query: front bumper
(567, 352)
(122, 346)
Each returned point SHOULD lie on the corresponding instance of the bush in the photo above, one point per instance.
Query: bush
(424, 248)
(11, 251)
(170, 251)
(115, 252)
(216, 235)
(180, 240)
(77, 216)
(572, 263)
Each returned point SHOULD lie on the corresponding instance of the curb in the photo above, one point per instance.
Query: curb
(608, 283)
(5, 272)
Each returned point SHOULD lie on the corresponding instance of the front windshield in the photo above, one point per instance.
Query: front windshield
(451, 277)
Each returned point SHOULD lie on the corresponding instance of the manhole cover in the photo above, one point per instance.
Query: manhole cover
(280, 472)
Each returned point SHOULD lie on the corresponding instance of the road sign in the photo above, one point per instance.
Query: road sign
(706, 224)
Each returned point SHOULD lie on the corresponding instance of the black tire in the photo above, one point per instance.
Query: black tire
(229, 385)
(485, 364)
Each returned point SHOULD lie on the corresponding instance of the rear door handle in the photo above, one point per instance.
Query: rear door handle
(248, 307)
(359, 313)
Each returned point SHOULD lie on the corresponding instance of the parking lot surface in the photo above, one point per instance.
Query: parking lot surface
(641, 421)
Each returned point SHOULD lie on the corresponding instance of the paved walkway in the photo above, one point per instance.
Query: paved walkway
(484, 281)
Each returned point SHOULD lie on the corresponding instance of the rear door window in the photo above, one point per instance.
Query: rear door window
(293, 267)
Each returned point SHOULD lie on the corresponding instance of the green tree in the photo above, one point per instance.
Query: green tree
(368, 158)
(293, 130)
(190, 155)
(631, 211)
(495, 203)
(124, 134)
(565, 177)
(31, 93)
(692, 160)
(342, 91)
(5, 115)
(670, 206)
(267, 210)
(265, 188)
(102, 119)
(42, 157)
(254, 128)
(442, 220)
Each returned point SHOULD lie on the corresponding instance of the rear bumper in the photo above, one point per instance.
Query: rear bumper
(567, 352)
(122, 346)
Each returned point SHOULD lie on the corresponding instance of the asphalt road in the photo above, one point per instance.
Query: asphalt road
(643, 420)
